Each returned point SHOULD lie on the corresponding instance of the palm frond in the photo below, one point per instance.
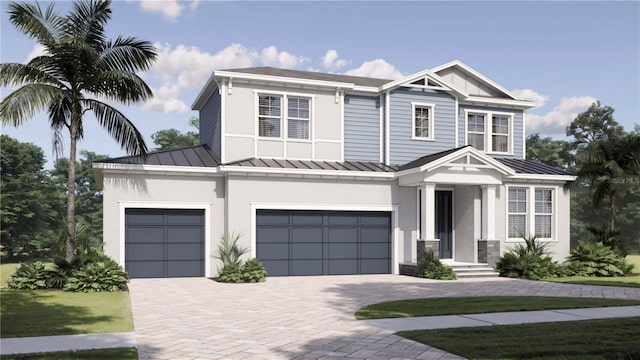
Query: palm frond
(46, 27)
(122, 86)
(87, 20)
(25, 102)
(118, 126)
(127, 54)
(14, 74)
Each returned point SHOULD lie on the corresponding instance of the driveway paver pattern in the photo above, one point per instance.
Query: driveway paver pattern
(302, 317)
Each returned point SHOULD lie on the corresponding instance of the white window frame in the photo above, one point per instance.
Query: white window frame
(431, 122)
(308, 119)
(284, 115)
(280, 118)
(488, 130)
(525, 231)
(531, 212)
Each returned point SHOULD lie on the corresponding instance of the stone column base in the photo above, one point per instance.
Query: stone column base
(425, 245)
(489, 252)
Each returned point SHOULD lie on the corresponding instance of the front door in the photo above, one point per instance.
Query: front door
(444, 222)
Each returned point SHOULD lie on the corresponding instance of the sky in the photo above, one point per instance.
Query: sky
(561, 55)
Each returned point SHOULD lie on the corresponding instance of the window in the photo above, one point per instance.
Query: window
(517, 212)
(298, 116)
(530, 217)
(475, 131)
(423, 119)
(490, 132)
(269, 115)
(543, 212)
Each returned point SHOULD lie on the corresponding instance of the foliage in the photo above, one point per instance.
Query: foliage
(530, 260)
(592, 258)
(430, 267)
(173, 139)
(253, 271)
(28, 200)
(229, 252)
(96, 277)
(30, 276)
(231, 273)
(548, 151)
(79, 67)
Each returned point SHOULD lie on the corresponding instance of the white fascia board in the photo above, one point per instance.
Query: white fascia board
(204, 94)
(495, 164)
(156, 168)
(421, 74)
(365, 89)
(471, 100)
(543, 177)
(281, 79)
(474, 73)
(336, 173)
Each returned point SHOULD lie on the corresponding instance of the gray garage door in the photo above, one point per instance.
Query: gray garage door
(323, 242)
(164, 242)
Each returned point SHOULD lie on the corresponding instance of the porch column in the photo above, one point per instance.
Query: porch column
(489, 246)
(428, 239)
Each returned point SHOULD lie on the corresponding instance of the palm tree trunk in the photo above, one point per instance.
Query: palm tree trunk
(71, 190)
(613, 210)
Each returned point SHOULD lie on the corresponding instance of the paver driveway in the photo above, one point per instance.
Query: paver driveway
(301, 317)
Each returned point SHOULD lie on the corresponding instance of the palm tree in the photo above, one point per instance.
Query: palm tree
(80, 66)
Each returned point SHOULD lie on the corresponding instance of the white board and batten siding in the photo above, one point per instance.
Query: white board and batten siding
(362, 128)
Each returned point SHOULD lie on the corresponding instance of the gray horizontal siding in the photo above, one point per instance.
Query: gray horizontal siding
(361, 128)
(210, 123)
(401, 147)
(517, 128)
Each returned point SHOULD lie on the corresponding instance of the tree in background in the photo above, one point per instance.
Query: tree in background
(556, 153)
(79, 66)
(173, 139)
(28, 200)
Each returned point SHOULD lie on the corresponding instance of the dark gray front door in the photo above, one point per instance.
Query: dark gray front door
(444, 222)
(164, 243)
(291, 243)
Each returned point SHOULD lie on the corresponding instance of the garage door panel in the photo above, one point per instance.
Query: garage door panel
(273, 218)
(184, 268)
(343, 267)
(144, 252)
(145, 217)
(306, 267)
(306, 235)
(306, 251)
(343, 235)
(380, 235)
(310, 218)
(374, 266)
(145, 269)
(145, 234)
(374, 250)
(184, 234)
(273, 251)
(273, 234)
(184, 218)
(343, 219)
(375, 220)
(276, 267)
(343, 251)
(184, 251)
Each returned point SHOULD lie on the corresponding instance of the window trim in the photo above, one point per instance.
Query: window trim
(488, 130)
(308, 120)
(432, 109)
(525, 213)
(281, 117)
(530, 219)
(284, 118)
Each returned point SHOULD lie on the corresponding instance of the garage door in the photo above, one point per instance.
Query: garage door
(164, 242)
(323, 242)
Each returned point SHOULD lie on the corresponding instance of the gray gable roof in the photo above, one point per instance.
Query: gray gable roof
(314, 165)
(532, 167)
(428, 158)
(311, 75)
(197, 156)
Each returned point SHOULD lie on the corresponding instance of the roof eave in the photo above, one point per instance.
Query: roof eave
(475, 73)
(497, 101)
(545, 177)
(289, 80)
(154, 168)
(307, 172)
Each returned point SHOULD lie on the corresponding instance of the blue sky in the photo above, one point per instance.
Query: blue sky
(561, 55)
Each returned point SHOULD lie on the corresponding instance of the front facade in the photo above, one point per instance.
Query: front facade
(325, 174)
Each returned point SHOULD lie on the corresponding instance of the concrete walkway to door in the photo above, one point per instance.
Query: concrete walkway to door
(302, 317)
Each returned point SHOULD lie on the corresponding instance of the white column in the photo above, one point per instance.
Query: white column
(489, 212)
(428, 211)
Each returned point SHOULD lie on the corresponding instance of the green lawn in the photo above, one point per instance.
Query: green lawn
(574, 340)
(55, 312)
(101, 354)
(635, 260)
(626, 281)
(6, 270)
(480, 304)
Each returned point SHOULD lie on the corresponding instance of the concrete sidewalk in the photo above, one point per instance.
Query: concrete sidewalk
(39, 344)
(502, 318)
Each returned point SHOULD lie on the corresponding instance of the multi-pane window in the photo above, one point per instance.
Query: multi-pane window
(269, 115)
(517, 212)
(543, 212)
(500, 133)
(476, 130)
(423, 121)
(298, 116)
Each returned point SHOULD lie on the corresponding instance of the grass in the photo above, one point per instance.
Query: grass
(626, 281)
(480, 304)
(54, 312)
(6, 270)
(99, 354)
(574, 340)
(635, 260)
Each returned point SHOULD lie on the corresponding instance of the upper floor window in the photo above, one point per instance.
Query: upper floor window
(271, 116)
(490, 132)
(423, 121)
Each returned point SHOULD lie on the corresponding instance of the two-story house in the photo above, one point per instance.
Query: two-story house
(326, 174)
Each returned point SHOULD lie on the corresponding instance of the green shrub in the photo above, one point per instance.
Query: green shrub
(57, 278)
(229, 252)
(592, 258)
(253, 271)
(231, 273)
(529, 260)
(30, 276)
(430, 267)
(100, 276)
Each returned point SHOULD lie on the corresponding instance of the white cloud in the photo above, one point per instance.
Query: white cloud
(171, 9)
(332, 62)
(165, 99)
(37, 50)
(194, 5)
(272, 57)
(530, 95)
(556, 121)
(377, 68)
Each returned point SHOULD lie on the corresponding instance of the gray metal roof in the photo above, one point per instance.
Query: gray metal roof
(314, 165)
(428, 158)
(532, 167)
(310, 75)
(199, 156)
